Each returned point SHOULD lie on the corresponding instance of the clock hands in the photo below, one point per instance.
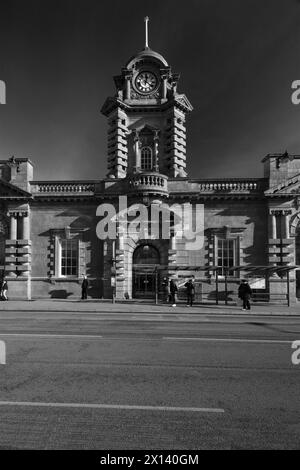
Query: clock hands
(146, 81)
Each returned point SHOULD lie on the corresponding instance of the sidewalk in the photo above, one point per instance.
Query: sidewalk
(106, 306)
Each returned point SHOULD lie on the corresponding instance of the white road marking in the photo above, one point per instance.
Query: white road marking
(113, 407)
(2, 353)
(229, 340)
(38, 335)
(148, 317)
(167, 338)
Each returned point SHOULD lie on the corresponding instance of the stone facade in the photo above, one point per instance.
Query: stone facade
(49, 229)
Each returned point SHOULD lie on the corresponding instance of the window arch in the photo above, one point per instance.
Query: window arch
(146, 158)
(146, 254)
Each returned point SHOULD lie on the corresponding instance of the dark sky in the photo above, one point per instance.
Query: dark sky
(237, 60)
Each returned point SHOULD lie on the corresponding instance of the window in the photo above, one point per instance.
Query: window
(68, 262)
(146, 254)
(226, 255)
(146, 158)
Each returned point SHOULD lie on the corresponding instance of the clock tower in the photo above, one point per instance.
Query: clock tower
(146, 119)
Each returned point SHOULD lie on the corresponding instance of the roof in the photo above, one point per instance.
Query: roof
(147, 52)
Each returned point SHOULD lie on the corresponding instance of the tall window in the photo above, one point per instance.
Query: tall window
(69, 257)
(146, 158)
(226, 257)
(3, 236)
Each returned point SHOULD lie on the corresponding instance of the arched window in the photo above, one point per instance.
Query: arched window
(146, 254)
(146, 158)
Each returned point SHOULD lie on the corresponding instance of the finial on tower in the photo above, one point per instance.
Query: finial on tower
(146, 19)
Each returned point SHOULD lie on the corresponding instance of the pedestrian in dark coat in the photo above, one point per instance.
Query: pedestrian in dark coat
(190, 291)
(84, 288)
(245, 293)
(166, 289)
(173, 292)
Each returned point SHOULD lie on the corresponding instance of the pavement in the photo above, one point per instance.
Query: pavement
(136, 380)
(99, 306)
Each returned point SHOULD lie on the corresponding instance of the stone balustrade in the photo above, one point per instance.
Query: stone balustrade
(63, 188)
(149, 182)
(231, 186)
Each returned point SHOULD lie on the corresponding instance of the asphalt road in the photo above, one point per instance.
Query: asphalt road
(112, 381)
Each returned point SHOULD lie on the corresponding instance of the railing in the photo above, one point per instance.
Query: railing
(62, 188)
(231, 186)
(149, 181)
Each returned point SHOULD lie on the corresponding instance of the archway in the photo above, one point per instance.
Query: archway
(146, 259)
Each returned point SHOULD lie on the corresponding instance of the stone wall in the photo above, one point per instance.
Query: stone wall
(47, 219)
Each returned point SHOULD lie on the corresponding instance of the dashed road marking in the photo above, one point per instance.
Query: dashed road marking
(41, 335)
(228, 340)
(112, 407)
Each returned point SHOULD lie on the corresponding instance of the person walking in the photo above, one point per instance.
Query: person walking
(4, 289)
(84, 288)
(173, 292)
(190, 291)
(244, 294)
(166, 290)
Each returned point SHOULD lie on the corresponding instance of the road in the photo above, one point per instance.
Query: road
(76, 380)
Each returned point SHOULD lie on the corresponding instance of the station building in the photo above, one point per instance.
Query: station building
(48, 229)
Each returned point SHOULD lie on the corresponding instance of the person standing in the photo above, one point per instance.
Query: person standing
(84, 288)
(4, 289)
(173, 292)
(244, 294)
(190, 291)
(166, 289)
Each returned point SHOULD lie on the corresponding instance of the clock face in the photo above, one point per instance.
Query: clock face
(146, 82)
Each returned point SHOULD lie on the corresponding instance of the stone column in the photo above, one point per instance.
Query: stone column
(24, 249)
(164, 87)
(10, 248)
(155, 163)
(25, 227)
(173, 242)
(13, 226)
(137, 152)
(287, 225)
(121, 240)
(120, 277)
(274, 228)
(128, 87)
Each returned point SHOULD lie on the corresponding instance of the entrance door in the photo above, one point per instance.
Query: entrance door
(144, 285)
(145, 261)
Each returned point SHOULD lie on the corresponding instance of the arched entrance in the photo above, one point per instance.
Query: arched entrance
(145, 261)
